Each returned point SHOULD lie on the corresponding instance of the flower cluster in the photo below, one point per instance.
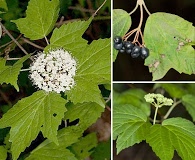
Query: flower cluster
(53, 71)
(158, 100)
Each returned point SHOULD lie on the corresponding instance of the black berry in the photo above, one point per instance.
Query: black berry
(128, 45)
(122, 50)
(144, 52)
(117, 40)
(135, 52)
(118, 46)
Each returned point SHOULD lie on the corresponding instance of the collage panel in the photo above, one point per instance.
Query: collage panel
(55, 80)
(153, 121)
(153, 40)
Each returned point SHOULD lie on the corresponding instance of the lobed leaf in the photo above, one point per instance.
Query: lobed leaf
(130, 126)
(40, 19)
(188, 101)
(9, 74)
(93, 69)
(121, 24)
(170, 45)
(135, 97)
(174, 134)
(39, 112)
(69, 36)
(50, 151)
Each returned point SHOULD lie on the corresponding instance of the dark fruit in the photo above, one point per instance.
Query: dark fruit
(144, 52)
(122, 50)
(128, 45)
(128, 51)
(135, 52)
(118, 46)
(117, 40)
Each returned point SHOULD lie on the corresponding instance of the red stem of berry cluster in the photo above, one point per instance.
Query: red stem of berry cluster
(137, 30)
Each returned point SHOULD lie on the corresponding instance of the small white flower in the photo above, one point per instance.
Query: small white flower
(53, 71)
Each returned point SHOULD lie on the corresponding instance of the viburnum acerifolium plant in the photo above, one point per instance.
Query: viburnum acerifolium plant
(134, 48)
(67, 74)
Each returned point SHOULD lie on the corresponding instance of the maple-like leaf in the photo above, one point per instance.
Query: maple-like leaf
(174, 134)
(40, 19)
(170, 45)
(39, 112)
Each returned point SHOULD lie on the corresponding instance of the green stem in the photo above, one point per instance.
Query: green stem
(171, 108)
(156, 111)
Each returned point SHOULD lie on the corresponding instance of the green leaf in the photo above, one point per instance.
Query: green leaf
(3, 4)
(102, 151)
(69, 36)
(174, 90)
(165, 51)
(84, 147)
(174, 134)
(130, 126)
(189, 102)
(134, 97)
(39, 112)
(79, 111)
(121, 24)
(9, 74)
(40, 19)
(93, 68)
(50, 151)
(3, 153)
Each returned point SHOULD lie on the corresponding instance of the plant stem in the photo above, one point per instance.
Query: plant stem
(46, 40)
(18, 44)
(32, 44)
(22, 70)
(99, 8)
(171, 108)
(156, 111)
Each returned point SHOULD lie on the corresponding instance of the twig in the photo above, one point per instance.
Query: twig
(31, 43)
(12, 59)
(18, 44)
(171, 108)
(22, 70)
(99, 8)
(81, 9)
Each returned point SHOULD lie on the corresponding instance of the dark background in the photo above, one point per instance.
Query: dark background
(125, 68)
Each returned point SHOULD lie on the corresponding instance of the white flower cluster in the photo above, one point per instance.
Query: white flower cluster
(53, 71)
(158, 100)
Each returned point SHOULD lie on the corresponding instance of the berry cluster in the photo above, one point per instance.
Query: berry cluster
(130, 48)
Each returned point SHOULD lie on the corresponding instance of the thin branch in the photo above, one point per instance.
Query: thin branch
(99, 8)
(22, 70)
(12, 59)
(18, 44)
(46, 40)
(31, 43)
(171, 108)
(82, 9)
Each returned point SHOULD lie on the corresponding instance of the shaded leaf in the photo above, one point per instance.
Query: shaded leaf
(121, 24)
(93, 69)
(39, 112)
(85, 146)
(130, 126)
(174, 90)
(50, 151)
(134, 97)
(189, 102)
(170, 45)
(3, 4)
(9, 74)
(102, 151)
(41, 17)
(174, 134)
